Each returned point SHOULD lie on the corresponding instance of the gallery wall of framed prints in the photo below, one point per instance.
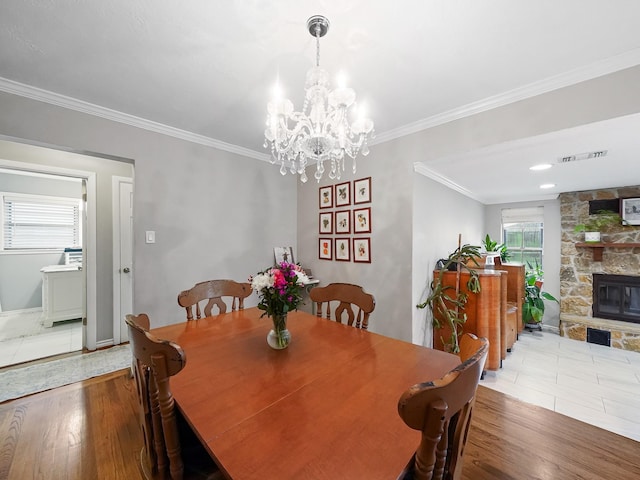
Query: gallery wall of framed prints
(344, 221)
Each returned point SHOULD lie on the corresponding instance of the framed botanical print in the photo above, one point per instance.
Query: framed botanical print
(325, 222)
(362, 220)
(343, 249)
(326, 197)
(343, 221)
(362, 250)
(325, 248)
(343, 194)
(362, 190)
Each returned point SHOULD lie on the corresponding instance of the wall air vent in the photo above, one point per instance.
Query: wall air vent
(583, 156)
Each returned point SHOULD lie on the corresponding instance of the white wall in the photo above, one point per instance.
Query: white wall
(216, 214)
(550, 250)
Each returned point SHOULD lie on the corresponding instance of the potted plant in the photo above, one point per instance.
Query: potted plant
(596, 224)
(533, 305)
(447, 302)
(493, 246)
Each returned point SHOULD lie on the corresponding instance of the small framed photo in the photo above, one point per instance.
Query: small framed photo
(343, 249)
(283, 254)
(325, 249)
(343, 194)
(362, 190)
(326, 197)
(630, 211)
(325, 222)
(343, 221)
(362, 220)
(362, 250)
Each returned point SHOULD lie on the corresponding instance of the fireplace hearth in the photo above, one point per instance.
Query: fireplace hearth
(616, 297)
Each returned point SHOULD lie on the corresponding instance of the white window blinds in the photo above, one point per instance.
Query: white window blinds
(523, 215)
(39, 222)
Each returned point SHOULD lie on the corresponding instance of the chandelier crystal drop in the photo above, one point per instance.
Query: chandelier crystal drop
(321, 131)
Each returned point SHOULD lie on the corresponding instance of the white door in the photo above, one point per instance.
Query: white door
(122, 256)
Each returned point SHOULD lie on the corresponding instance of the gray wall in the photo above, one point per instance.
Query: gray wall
(20, 277)
(435, 236)
(388, 275)
(216, 214)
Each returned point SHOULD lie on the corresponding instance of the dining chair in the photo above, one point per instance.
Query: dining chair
(164, 436)
(212, 291)
(348, 296)
(441, 409)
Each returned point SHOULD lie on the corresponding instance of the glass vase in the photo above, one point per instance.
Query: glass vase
(279, 337)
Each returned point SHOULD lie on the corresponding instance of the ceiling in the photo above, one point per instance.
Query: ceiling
(204, 70)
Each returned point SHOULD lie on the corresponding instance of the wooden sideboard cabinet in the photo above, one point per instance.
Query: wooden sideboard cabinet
(483, 313)
(62, 293)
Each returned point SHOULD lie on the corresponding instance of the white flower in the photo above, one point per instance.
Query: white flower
(262, 281)
(302, 278)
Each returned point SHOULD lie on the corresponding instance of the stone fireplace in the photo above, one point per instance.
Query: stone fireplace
(580, 272)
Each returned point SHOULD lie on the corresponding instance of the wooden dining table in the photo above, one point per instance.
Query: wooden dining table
(323, 408)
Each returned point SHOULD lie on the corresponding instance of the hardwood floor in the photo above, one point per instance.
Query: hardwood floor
(89, 430)
(510, 439)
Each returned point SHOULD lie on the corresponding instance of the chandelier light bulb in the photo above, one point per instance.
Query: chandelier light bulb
(321, 131)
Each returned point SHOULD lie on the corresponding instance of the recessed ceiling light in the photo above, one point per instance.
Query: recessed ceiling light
(547, 185)
(542, 166)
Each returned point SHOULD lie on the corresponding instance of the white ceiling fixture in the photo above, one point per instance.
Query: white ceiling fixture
(540, 166)
(583, 156)
(322, 131)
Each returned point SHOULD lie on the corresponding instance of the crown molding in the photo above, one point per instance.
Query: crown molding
(609, 65)
(604, 67)
(420, 168)
(34, 93)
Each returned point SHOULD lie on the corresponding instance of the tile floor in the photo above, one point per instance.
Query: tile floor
(63, 337)
(592, 383)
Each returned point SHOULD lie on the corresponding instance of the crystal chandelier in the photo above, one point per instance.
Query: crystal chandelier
(321, 131)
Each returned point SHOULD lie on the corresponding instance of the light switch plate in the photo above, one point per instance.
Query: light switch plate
(150, 236)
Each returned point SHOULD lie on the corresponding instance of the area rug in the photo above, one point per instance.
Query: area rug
(18, 382)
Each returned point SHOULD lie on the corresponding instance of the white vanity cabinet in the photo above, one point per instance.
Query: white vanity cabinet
(62, 293)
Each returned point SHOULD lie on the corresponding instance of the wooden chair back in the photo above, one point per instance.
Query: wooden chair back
(441, 409)
(155, 361)
(347, 295)
(212, 292)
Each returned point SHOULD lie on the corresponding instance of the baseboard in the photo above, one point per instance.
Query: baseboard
(104, 344)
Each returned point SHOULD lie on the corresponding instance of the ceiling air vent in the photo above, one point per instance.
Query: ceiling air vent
(583, 156)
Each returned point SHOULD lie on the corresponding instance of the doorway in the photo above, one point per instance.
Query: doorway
(53, 161)
(43, 289)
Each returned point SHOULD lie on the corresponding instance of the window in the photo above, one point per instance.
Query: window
(35, 222)
(523, 234)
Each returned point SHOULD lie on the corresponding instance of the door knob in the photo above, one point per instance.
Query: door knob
(126, 269)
